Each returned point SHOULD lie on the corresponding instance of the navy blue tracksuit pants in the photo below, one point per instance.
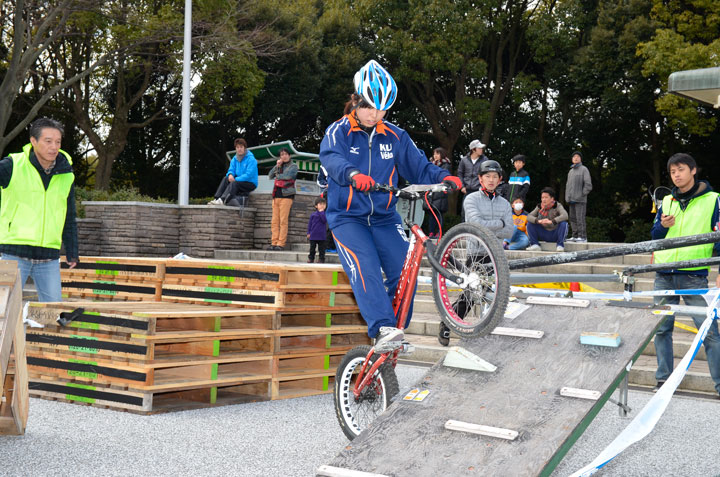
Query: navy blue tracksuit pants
(365, 252)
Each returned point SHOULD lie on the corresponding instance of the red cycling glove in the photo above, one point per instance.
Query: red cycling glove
(454, 182)
(362, 182)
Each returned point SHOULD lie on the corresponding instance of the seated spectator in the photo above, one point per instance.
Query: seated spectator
(487, 208)
(519, 240)
(284, 173)
(547, 222)
(241, 177)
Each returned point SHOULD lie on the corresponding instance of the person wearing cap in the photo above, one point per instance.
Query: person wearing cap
(469, 167)
(358, 151)
(519, 179)
(489, 209)
(577, 188)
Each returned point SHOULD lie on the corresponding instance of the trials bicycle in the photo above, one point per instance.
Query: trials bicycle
(470, 284)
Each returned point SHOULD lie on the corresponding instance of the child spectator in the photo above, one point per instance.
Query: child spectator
(547, 222)
(519, 179)
(317, 230)
(519, 240)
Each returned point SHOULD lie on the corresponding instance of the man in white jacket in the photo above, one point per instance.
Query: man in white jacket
(489, 209)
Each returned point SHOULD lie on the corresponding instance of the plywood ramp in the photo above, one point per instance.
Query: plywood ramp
(523, 395)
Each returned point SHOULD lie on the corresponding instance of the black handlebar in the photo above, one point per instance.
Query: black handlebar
(408, 195)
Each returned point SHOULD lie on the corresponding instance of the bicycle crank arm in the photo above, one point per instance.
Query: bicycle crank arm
(439, 268)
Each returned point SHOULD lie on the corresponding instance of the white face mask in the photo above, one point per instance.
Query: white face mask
(518, 206)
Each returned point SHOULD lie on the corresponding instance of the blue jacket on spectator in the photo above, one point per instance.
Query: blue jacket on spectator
(244, 169)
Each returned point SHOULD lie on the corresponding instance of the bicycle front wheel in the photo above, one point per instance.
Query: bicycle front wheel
(474, 307)
(356, 414)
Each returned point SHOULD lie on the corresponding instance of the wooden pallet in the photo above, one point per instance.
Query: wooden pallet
(256, 275)
(14, 402)
(118, 397)
(111, 268)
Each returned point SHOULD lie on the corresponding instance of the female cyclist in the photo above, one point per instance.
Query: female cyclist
(357, 151)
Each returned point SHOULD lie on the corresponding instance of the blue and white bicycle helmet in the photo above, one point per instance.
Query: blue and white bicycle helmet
(375, 85)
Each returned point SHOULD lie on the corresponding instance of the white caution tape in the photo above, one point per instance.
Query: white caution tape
(648, 417)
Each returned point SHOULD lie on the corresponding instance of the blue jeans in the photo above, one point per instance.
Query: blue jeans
(663, 337)
(45, 274)
(519, 241)
(537, 232)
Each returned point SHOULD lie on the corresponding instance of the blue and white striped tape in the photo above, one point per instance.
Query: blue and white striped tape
(646, 419)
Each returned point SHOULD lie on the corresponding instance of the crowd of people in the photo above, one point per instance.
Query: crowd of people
(37, 211)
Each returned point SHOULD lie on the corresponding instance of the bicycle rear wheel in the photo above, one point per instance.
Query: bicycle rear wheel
(474, 307)
(356, 414)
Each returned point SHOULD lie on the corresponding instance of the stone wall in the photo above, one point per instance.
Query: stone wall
(162, 230)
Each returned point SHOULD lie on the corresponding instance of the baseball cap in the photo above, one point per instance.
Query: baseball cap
(476, 143)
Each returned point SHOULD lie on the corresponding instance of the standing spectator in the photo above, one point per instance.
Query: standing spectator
(37, 210)
(469, 168)
(503, 188)
(519, 179)
(438, 200)
(547, 222)
(691, 208)
(489, 209)
(241, 177)
(284, 172)
(519, 240)
(577, 189)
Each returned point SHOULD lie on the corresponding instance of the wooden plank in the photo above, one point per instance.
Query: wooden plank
(548, 300)
(521, 395)
(507, 434)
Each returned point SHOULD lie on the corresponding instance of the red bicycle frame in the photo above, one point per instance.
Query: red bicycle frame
(401, 304)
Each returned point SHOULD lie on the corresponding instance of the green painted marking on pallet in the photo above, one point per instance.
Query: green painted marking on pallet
(326, 383)
(82, 374)
(328, 341)
(213, 395)
(106, 272)
(335, 278)
(81, 386)
(327, 361)
(104, 292)
(214, 371)
(94, 313)
(328, 320)
(210, 300)
(72, 397)
(332, 299)
(216, 348)
(216, 326)
(83, 349)
(220, 278)
(85, 325)
(219, 290)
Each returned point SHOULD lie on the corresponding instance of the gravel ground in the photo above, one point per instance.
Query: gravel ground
(294, 437)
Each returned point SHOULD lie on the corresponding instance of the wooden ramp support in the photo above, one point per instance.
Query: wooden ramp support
(522, 396)
(14, 400)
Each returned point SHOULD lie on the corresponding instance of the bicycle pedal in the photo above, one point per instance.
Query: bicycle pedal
(407, 348)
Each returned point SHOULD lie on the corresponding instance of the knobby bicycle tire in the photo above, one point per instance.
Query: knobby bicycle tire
(476, 308)
(354, 415)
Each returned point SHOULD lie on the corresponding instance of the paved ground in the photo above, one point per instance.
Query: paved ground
(294, 437)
